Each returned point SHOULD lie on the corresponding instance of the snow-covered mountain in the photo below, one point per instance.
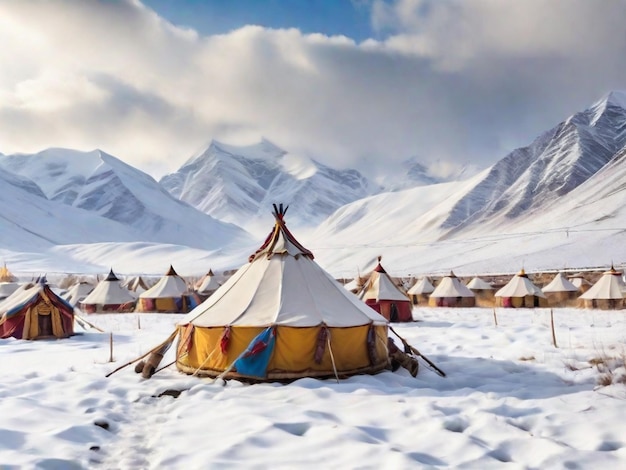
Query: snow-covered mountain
(563, 192)
(557, 203)
(557, 162)
(99, 183)
(30, 222)
(239, 184)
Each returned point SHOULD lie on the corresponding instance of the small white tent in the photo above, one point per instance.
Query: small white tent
(451, 292)
(207, 285)
(560, 292)
(108, 296)
(520, 292)
(607, 293)
(78, 292)
(169, 294)
(420, 291)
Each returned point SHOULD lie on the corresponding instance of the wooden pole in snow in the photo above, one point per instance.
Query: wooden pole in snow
(495, 318)
(110, 347)
(552, 327)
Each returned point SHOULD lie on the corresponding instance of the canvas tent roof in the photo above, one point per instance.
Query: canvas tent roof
(423, 286)
(519, 286)
(451, 286)
(607, 287)
(578, 280)
(78, 292)
(380, 286)
(560, 284)
(170, 285)
(282, 285)
(13, 303)
(109, 291)
(135, 284)
(479, 284)
(208, 284)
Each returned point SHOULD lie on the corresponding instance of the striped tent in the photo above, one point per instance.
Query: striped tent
(36, 313)
(383, 295)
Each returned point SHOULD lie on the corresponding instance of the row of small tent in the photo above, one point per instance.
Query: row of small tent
(608, 292)
(112, 294)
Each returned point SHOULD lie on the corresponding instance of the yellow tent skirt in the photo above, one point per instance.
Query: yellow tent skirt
(344, 351)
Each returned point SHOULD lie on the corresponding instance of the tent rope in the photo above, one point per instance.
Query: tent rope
(203, 362)
(332, 357)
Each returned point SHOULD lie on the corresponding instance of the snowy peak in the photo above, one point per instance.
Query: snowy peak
(106, 186)
(238, 183)
(614, 98)
(556, 163)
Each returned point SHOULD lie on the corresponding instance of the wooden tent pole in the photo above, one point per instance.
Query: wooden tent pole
(416, 352)
(168, 340)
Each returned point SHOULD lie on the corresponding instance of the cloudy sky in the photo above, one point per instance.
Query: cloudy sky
(356, 83)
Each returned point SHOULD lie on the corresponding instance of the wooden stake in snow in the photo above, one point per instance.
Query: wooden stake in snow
(552, 326)
(138, 322)
(495, 318)
(110, 347)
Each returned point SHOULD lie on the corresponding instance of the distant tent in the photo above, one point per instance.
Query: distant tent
(355, 285)
(483, 291)
(281, 316)
(207, 285)
(108, 296)
(479, 284)
(6, 275)
(520, 292)
(607, 293)
(78, 292)
(135, 284)
(169, 294)
(560, 292)
(36, 313)
(420, 292)
(451, 292)
(580, 282)
(384, 296)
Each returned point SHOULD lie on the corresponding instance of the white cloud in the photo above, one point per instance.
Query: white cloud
(455, 82)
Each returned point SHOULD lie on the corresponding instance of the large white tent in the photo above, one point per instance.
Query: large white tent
(314, 326)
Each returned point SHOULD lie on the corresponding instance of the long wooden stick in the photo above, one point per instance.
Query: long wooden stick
(168, 340)
(81, 319)
(552, 326)
(417, 353)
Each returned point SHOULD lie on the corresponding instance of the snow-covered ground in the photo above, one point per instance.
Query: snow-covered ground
(510, 400)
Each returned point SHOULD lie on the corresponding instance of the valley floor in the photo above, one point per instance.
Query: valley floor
(510, 400)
